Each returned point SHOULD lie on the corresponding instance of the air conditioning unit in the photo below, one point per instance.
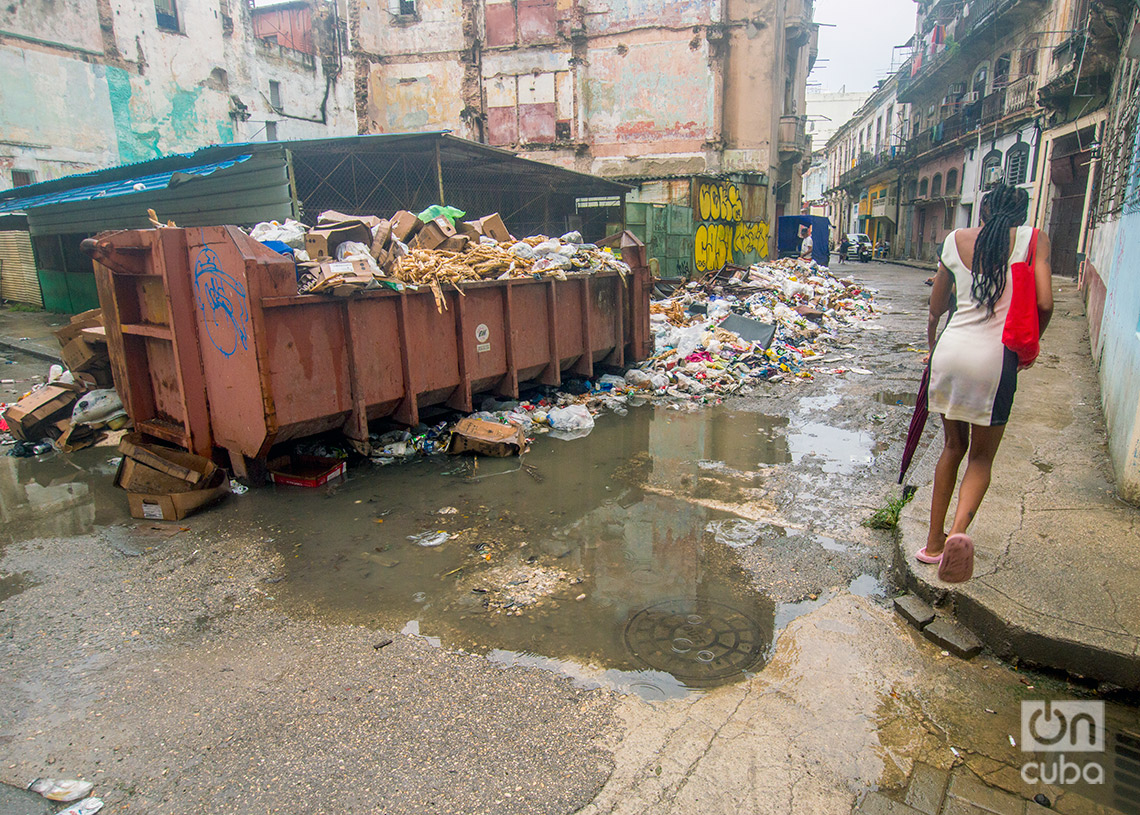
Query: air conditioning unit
(992, 176)
(970, 98)
(957, 89)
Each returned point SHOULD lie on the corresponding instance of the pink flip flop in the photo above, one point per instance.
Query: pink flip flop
(957, 564)
(922, 557)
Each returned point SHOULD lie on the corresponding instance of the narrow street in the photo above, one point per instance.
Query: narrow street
(564, 649)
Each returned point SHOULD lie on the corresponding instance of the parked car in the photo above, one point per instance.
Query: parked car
(859, 246)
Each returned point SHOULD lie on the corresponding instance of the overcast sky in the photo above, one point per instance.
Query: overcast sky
(856, 53)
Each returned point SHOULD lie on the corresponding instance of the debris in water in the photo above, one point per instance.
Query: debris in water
(430, 538)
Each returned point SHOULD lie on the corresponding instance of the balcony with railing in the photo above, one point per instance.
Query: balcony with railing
(1020, 94)
(963, 39)
(792, 138)
(871, 163)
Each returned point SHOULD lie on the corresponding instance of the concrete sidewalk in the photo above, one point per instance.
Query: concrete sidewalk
(1057, 576)
(30, 332)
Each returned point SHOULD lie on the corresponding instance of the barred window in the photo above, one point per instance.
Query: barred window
(1017, 163)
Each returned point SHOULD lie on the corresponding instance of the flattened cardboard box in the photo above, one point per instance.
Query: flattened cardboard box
(86, 319)
(487, 438)
(28, 418)
(178, 465)
(491, 226)
(184, 484)
(404, 225)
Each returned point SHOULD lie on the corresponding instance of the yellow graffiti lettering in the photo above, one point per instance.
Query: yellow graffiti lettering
(713, 246)
(735, 208)
(751, 238)
(724, 234)
(704, 199)
(719, 202)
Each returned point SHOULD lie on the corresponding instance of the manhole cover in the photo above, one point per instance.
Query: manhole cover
(699, 642)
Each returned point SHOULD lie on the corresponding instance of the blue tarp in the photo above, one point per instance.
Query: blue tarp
(788, 236)
(129, 186)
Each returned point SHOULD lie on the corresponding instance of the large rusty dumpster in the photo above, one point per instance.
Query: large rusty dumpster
(212, 346)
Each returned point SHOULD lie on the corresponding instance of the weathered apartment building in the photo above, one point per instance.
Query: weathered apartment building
(95, 83)
(863, 159)
(995, 90)
(700, 102)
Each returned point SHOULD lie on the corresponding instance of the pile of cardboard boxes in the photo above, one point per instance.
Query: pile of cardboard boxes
(45, 413)
(329, 273)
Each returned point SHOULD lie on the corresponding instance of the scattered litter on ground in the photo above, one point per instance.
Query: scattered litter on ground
(64, 791)
(88, 806)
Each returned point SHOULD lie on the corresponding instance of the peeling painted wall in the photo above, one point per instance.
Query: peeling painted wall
(135, 91)
(414, 96)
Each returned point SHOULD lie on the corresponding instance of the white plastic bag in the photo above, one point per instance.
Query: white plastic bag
(291, 233)
(571, 417)
(98, 407)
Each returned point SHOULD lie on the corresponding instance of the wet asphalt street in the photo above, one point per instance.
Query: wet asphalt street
(681, 612)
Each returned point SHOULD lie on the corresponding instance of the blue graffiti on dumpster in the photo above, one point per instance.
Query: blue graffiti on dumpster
(222, 301)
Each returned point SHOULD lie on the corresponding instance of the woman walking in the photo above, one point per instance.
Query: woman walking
(973, 376)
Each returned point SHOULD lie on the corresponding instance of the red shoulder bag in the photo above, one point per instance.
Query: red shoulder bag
(1021, 333)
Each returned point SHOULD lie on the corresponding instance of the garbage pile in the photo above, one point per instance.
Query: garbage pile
(740, 327)
(345, 254)
(78, 404)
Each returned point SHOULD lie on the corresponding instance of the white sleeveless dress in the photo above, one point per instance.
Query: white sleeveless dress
(972, 375)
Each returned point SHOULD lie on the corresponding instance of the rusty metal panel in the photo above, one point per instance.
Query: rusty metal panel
(289, 25)
(308, 346)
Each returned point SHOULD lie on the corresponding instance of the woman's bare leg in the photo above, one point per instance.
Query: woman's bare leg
(956, 441)
(984, 443)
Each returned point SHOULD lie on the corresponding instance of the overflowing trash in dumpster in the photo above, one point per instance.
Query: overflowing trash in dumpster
(344, 254)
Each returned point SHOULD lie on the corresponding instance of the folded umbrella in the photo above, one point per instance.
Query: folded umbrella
(917, 423)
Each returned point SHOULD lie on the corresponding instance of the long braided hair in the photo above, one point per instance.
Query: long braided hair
(1003, 208)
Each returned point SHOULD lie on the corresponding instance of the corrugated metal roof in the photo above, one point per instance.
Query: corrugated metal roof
(112, 189)
(256, 188)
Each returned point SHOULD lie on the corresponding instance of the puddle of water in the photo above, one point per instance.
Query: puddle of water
(841, 451)
(831, 544)
(58, 496)
(896, 398)
(866, 585)
(581, 562)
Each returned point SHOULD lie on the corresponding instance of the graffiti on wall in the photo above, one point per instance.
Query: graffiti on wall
(222, 301)
(723, 235)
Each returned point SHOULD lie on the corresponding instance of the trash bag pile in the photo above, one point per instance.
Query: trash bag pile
(345, 254)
